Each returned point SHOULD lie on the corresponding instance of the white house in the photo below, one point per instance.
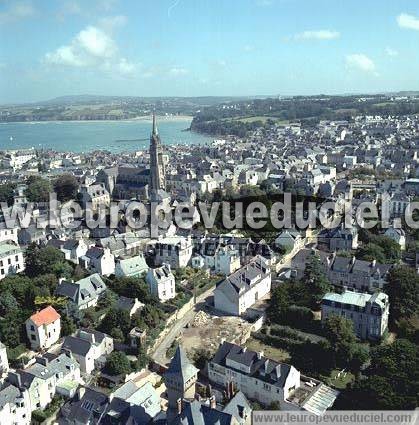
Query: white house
(73, 249)
(267, 381)
(288, 240)
(51, 374)
(15, 406)
(11, 259)
(82, 294)
(226, 260)
(131, 267)
(4, 362)
(89, 348)
(8, 234)
(98, 260)
(243, 288)
(161, 282)
(398, 235)
(43, 328)
(175, 251)
(96, 195)
(368, 312)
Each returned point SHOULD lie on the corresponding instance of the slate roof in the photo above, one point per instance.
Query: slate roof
(88, 409)
(241, 280)
(180, 365)
(9, 394)
(82, 291)
(265, 369)
(197, 413)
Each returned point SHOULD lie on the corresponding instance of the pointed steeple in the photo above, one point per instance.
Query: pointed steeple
(155, 131)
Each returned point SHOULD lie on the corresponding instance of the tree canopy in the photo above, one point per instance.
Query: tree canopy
(66, 187)
(38, 189)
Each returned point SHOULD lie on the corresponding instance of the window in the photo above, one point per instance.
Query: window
(33, 337)
(9, 261)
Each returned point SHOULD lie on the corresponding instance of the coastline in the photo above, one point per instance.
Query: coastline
(143, 118)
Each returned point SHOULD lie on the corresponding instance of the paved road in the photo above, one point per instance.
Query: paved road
(159, 354)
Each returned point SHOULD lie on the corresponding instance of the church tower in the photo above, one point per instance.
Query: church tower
(157, 167)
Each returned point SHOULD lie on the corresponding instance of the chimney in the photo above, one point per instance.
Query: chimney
(42, 360)
(179, 406)
(80, 392)
(227, 391)
(244, 349)
(15, 379)
(213, 402)
(259, 354)
(231, 390)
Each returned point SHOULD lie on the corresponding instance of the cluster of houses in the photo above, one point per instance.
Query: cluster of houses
(319, 161)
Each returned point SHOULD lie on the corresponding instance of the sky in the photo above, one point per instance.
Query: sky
(51, 48)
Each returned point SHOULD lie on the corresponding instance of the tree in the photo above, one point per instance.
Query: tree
(68, 327)
(7, 192)
(392, 382)
(56, 302)
(115, 318)
(44, 260)
(66, 187)
(316, 280)
(38, 189)
(390, 247)
(7, 303)
(118, 364)
(132, 287)
(403, 291)
(340, 333)
(371, 252)
(142, 360)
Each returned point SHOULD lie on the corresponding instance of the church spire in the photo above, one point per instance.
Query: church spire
(154, 124)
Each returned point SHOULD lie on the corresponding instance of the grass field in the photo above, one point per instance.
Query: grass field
(341, 382)
(273, 353)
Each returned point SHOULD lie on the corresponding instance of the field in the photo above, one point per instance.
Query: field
(273, 353)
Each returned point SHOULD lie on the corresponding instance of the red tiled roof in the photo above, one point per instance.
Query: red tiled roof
(45, 316)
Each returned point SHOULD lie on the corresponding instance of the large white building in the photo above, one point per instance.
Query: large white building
(43, 328)
(243, 288)
(173, 250)
(368, 312)
(11, 259)
(267, 381)
(161, 282)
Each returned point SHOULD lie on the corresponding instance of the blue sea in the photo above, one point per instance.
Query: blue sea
(86, 136)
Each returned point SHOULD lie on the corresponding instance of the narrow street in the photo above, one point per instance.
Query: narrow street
(159, 354)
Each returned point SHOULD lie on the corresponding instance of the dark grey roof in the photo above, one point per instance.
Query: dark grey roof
(88, 409)
(261, 367)
(77, 345)
(181, 365)
(197, 413)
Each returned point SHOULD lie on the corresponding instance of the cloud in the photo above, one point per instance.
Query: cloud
(92, 48)
(248, 48)
(361, 62)
(407, 21)
(109, 23)
(17, 11)
(391, 52)
(317, 35)
(178, 71)
(264, 2)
